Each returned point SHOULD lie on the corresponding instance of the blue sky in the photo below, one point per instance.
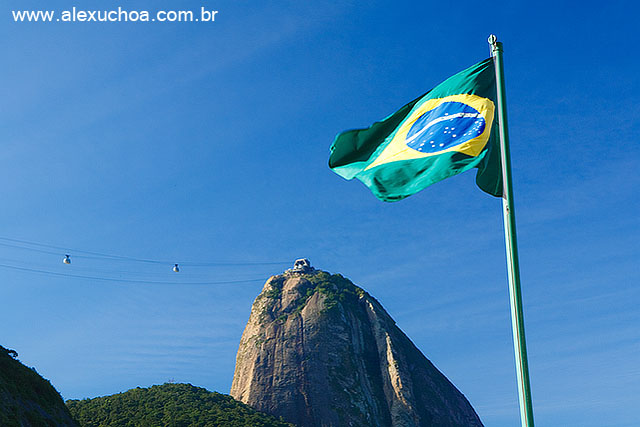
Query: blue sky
(208, 143)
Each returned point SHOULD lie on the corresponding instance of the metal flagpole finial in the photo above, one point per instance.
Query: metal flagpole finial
(493, 43)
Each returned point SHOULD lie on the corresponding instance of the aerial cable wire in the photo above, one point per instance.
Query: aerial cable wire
(113, 279)
(93, 271)
(42, 251)
(77, 253)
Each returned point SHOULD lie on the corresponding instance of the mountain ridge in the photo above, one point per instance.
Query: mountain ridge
(169, 404)
(26, 398)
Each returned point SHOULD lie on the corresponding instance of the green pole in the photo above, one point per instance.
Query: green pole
(517, 318)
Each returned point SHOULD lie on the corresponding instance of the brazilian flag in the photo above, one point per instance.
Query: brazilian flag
(442, 133)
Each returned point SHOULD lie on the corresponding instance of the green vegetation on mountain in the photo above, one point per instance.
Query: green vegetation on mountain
(335, 288)
(171, 405)
(27, 399)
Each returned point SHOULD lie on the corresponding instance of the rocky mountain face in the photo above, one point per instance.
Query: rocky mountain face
(27, 399)
(320, 351)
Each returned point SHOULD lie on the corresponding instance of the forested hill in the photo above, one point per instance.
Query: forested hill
(27, 399)
(168, 405)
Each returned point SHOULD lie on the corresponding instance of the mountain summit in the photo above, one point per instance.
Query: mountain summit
(320, 351)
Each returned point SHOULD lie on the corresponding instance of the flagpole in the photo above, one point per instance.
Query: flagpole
(517, 317)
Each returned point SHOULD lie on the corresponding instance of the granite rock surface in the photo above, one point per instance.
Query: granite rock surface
(319, 351)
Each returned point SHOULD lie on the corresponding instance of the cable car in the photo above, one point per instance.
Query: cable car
(176, 268)
(67, 259)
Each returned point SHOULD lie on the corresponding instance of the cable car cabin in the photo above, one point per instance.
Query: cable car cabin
(302, 265)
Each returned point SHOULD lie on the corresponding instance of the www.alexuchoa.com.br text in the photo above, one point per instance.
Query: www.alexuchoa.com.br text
(115, 15)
